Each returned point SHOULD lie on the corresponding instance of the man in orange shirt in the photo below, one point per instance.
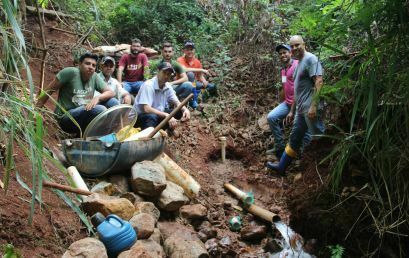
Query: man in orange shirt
(195, 71)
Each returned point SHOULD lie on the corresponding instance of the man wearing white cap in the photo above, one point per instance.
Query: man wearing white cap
(107, 69)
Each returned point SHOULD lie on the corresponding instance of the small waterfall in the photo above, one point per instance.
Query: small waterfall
(292, 243)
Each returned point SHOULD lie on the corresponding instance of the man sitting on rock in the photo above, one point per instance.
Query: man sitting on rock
(134, 66)
(195, 71)
(155, 97)
(107, 69)
(76, 100)
(180, 83)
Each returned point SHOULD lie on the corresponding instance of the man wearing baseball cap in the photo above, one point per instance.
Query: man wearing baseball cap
(284, 112)
(154, 98)
(195, 71)
(107, 69)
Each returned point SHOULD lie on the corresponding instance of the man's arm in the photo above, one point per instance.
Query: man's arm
(119, 73)
(200, 70)
(50, 89)
(148, 109)
(106, 94)
(318, 82)
(183, 78)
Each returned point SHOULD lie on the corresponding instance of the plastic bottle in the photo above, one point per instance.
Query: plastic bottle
(116, 234)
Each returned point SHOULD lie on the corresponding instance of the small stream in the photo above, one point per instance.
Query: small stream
(292, 243)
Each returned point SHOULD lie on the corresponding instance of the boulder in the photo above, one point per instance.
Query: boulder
(206, 231)
(120, 183)
(195, 211)
(172, 198)
(145, 248)
(108, 205)
(103, 187)
(144, 224)
(253, 232)
(88, 247)
(156, 236)
(132, 197)
(181, 241)
(148, 178)
(147, 207)
(184, 245)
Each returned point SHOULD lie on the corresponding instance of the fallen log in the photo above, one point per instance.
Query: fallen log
(48, 13)
(66, 188)
(177, 175)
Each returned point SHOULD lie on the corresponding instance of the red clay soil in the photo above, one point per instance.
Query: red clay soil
(56, 226)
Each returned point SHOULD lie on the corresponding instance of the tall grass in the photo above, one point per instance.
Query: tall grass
(376, 138)
(20, 120)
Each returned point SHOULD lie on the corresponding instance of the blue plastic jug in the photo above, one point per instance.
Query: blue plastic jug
(117, 235)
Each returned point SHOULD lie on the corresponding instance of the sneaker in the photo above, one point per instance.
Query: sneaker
(193, 104)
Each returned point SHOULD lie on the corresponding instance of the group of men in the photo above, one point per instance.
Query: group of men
(83, 93)
(302, 81)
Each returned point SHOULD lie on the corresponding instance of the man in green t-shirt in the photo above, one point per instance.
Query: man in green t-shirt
(76, 87)
(180, 82)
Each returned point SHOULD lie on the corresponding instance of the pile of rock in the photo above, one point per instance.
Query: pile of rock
(151, 193)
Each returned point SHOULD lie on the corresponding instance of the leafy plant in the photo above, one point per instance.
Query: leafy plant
(336, 251)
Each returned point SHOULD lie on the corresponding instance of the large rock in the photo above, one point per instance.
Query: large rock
(172, 198)
(132, 197)
(103, 187)
(144, 224)
(144, 249)
(181, 241)
(148, 178)
(157, 236)
(184, 245)
(147, 207)
(253, 232)
(207, 231)
(86, 248)
(108, 205)
(195, 211)
(120, 183)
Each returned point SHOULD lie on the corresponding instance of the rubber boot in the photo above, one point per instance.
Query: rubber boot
(279, 154)
(193, 102)
(285, 161)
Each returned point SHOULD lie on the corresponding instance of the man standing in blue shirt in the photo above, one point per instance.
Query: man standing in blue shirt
(307, 85)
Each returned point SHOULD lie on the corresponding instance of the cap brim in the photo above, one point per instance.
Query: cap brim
(168, 69)
(282, 47)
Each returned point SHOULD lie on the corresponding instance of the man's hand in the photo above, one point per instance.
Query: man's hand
(289, 118)
(205, 71)
(185, 115)
(173, 123)
(92, 103)
(312, 112)
(127, 99)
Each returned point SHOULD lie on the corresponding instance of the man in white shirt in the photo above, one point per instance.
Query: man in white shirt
(155, 97)
(107, 69)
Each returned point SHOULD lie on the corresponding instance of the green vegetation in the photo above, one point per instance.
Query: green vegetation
(369, 87)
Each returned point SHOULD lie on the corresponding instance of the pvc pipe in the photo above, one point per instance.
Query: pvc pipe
(223, 147)
(243, 196)
(177, 175)
(77, 179)
(253, 209)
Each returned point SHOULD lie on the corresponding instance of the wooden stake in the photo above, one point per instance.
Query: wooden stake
(66, 188)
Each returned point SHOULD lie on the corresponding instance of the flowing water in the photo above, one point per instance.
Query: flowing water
(292, 243)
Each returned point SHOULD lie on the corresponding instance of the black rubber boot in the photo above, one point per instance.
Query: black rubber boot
(280, 167)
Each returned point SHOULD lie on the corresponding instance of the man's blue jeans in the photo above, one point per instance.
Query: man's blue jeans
(275, 121)
(84, 117)
(132, 87)
(81, 116)
(183, 90)
(211, 88)
(303, 125)
(146, 120)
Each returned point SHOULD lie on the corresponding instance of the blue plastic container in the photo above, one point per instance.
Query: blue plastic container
(117, 235)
